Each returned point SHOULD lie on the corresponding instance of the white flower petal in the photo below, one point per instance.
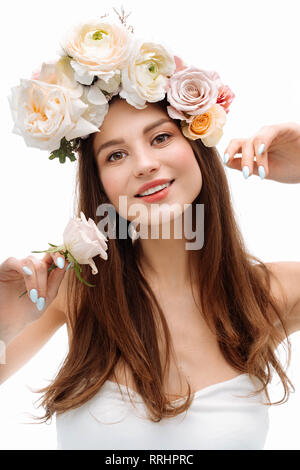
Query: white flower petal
(82, 127)
(93, 266)
(95, 96)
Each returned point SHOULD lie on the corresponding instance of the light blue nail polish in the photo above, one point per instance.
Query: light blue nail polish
(226, 158)
(33, 295)
(40, 303)
(261, 172)
(27, 270)
(261, 149)
(60, 262)
(69, 266)
(246, 171)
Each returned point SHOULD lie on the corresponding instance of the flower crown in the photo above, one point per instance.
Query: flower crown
(67, 100)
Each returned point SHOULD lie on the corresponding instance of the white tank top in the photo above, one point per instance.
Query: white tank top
(217, 419)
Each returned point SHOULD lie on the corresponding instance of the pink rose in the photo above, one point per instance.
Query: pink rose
(192, 91)
(225, 97)
(179, 64)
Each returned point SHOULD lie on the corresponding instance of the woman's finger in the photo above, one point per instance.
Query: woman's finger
(41, 273)
(254, 153)
(55, 257)
(264, 138)
(30, 278)
(247, 162)
(237, 163)
(235, 146)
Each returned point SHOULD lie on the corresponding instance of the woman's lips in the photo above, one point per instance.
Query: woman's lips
(158, 195)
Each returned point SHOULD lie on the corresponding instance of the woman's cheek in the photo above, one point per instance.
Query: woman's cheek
(184, 156)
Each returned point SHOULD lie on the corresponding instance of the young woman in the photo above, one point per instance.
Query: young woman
(175, 345)
(164, 322)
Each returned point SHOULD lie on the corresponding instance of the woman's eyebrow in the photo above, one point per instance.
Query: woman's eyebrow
(145, 130)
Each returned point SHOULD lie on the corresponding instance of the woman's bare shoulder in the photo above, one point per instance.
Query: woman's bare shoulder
(285, 288)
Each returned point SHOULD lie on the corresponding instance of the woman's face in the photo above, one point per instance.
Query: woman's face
(144, 155)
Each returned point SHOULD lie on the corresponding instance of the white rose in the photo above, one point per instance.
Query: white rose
(97, 48)
(62, 74)
(44, 113)
(84, 240)
(146, 77)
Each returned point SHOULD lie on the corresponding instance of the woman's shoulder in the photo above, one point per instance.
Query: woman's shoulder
(285, 289)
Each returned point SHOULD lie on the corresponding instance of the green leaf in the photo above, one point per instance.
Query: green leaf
(80, 278)
(66, 150)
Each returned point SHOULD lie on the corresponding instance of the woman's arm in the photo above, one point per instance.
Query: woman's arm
(276, 150)
(32, 338)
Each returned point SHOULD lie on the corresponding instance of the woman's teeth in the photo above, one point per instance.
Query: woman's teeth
(155, 189)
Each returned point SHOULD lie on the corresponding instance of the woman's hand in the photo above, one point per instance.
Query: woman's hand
(276, 149)
(40, 284)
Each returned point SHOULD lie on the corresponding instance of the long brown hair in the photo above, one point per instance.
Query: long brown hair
(117, 320)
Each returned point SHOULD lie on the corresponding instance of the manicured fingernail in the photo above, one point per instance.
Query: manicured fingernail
(27, 270)
(226, 158)
(246, 171)
(40, 303)
(261, 172)
(261, 149)
(33, 295)
(69, 266)
(60, 262)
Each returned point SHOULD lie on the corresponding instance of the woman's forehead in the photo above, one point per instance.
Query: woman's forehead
(122, 118)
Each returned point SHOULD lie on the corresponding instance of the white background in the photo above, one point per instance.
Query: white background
(254, 45)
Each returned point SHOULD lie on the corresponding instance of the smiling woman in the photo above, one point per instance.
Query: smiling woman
(189, 335)
(161, 314)
(145, 159)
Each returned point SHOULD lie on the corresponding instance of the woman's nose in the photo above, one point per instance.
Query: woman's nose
(146, 166)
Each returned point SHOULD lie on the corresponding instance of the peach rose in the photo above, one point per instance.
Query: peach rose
(207, 126)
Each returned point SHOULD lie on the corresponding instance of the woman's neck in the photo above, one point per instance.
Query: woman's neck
(165, 262)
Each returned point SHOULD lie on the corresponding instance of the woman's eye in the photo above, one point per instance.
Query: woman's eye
(119, 153)
(116, 153)
(162, 135)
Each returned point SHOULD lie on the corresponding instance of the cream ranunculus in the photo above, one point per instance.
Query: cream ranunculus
(98, 48)
(146, 77)
(207, 126)
(83, 240)
(44, 113)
